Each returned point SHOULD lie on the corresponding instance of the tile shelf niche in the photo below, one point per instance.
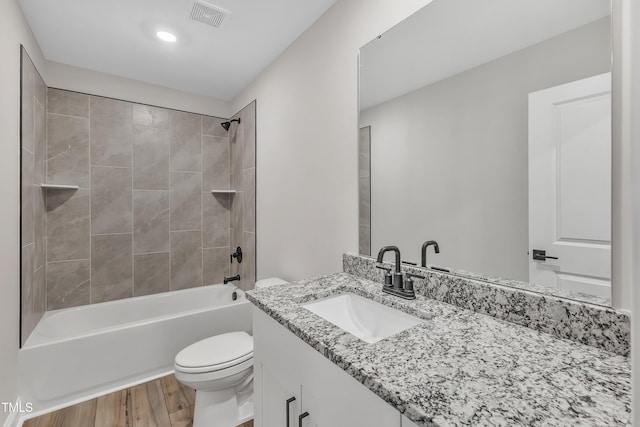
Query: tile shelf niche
(59, 186)
(223, 191)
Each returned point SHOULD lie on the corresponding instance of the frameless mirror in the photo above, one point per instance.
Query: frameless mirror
(486, 126)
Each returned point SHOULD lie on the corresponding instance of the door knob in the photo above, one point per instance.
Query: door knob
(540, 255)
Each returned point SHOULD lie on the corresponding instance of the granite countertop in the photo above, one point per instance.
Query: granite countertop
(461, 367)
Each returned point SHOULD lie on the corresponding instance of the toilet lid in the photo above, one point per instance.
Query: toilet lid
(218, 352)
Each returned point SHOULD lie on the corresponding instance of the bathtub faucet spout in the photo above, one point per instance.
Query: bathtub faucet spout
(231, 279)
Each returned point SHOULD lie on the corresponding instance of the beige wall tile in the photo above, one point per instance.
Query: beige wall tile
(27, 291)
(40, 225)
(39, 293)
(151, 273)
(67, 224)
(237, 143)
(146, 115)
(249, 136)
(186, 259)
(150, 158)
(186, 131)
(211, 126)
(186, 201)
(67, 150)
(111, 267)
(28, 197)
(68, 103)
(364, 240)
(27, 104)
(216, 265)
(216, 217)
(216, 168)
(111, 206)
(40, 124)
(249, 200)
(364, 200)
(237, 220)
(150, 221)
(68, 284)
(249, 261)
(111, 132)
(39, 89)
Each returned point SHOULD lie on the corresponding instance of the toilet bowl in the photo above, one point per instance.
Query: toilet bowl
(220, 369)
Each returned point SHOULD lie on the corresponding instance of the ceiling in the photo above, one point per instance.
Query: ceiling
(118, 37)
(447, 37)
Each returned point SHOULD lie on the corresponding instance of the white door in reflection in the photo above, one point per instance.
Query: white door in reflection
(570, 186)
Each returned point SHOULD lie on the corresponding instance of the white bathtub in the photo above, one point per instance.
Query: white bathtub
(82, 352)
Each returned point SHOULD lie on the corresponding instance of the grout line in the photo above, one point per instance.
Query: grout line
(184, 171)
(151, 253)
(142, 189)
(68, 115)
(68, 260)
(185, 231)
(112, 167)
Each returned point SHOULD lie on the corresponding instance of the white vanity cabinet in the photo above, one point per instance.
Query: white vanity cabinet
(285, 367)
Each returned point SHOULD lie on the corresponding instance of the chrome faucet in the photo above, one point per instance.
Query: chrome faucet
(395, 286)
(425, 246)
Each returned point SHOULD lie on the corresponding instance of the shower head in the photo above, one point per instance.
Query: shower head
(227, 125)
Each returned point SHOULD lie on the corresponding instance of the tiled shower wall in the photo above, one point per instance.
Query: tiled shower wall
(33, 101)
(144, 219)
(364, 190)
(243, 180)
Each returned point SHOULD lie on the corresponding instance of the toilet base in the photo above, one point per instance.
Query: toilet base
(223, 408)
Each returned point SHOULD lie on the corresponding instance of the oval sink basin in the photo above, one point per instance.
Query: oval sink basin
(366, 319)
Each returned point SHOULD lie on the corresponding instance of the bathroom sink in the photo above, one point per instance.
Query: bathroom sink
(366, 319)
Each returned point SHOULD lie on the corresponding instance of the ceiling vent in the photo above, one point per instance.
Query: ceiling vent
(208, 14)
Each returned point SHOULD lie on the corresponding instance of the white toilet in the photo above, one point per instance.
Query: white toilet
(220, 369)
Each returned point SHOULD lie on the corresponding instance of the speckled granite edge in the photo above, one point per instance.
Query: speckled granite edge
(593, 325)
(532, 287)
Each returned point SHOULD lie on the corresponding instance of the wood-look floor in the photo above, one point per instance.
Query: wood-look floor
(160, 403)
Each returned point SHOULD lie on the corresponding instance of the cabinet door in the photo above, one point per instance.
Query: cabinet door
(278, 401)
(336, 403)
(291, 368)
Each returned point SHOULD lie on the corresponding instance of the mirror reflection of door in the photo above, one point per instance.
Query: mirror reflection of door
(446, 94)
(570, 186)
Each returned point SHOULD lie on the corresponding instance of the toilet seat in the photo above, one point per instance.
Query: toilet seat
(216, 353)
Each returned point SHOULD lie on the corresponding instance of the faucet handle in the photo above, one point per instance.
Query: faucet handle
(387, 274)
(408, 285)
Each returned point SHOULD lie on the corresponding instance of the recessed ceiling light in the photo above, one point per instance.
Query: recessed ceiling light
(166, 36)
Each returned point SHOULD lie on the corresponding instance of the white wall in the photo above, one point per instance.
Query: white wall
(15, 31)
(622, 242)
(68, 77)
(628, 18)
(307, 124)
(453, 155)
